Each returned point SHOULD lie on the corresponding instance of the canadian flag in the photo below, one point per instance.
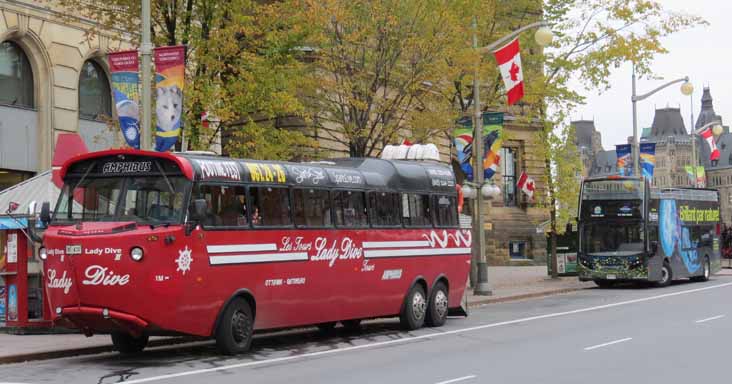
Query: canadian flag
(509, 63)
(526, 184)
(204, 119)
(709, 137)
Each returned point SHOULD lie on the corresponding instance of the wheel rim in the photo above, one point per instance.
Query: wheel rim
(239, 327)
(419, 305)
(441, 304)
(664, 274)
(706, 269)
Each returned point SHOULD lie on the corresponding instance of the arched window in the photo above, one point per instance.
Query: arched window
(95, 98)
(16, 76)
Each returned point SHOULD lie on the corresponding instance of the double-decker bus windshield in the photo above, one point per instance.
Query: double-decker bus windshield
(608, 239)
(142, 199)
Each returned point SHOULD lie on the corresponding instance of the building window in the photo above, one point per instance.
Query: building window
(508, 170)
(95, 97)
(9, 178)
(16, 76)
(517, 249)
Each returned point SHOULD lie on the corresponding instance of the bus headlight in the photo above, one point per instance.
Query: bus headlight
(136, 253)
(42, 253)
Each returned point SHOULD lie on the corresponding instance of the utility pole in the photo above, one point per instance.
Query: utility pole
(146, 52)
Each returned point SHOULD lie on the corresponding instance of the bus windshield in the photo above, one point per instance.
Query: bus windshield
(142, 199)
(613, 239)
(618, 189)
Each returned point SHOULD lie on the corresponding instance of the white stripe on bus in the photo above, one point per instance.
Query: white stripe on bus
(395, 244)
(258, 258)
(241, 248)
(416, 252)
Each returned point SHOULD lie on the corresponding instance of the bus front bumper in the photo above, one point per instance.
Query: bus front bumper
(99, 320)
(608, 273)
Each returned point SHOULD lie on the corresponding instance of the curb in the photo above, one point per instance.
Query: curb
(533, 295)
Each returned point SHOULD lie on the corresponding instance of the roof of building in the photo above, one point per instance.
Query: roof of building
(668, 122)
(584, 129)
(707, 114)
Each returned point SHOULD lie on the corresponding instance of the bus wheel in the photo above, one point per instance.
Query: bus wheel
(415, 308)
(327, 327)
(127, 344)
(666, 275)
(437, 309)
(707, 271)
(234, 334)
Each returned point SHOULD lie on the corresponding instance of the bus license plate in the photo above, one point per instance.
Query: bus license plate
(611, 277)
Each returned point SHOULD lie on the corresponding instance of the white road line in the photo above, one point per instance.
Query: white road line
(420, 337)
(609, 343)
(458, 379)
(709, 319)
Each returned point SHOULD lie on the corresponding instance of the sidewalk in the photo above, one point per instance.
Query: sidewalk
(515, 283)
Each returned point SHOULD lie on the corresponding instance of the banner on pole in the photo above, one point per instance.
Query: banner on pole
(648, 159)
(169, 82)
(463, 139)
(699, 176)
(624, 164)
(123, 67)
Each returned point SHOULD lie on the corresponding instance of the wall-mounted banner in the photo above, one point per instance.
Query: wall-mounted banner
(648, 159)
(625, 167)
(124, 67)
(700, 176)
(170, 66)
(492, 131)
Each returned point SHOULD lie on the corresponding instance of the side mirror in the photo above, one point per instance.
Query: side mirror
(45, 213)
(199, 209)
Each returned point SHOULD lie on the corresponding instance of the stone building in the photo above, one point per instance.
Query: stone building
(596, 161)
(52, 80)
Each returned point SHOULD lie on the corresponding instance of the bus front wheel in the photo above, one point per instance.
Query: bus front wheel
(705, 274)
(415, 308)
(234, 333)
(666, 275)
(127, 344)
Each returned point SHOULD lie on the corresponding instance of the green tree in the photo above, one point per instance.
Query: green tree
(243, 67)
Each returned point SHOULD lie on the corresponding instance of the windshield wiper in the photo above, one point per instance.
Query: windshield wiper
(165, 177)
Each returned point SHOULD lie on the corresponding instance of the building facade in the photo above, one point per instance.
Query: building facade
(53, 79)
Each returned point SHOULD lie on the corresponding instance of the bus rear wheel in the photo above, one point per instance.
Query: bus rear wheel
(127, 344)
(705, 274)
(234, 333)
(666, 275)
(438, 307)
(415, 309)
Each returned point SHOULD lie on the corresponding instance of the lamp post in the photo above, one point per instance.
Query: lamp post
(687, 89)
(543, 37)
(716, 131)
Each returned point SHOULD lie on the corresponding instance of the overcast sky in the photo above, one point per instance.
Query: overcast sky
(702, 53)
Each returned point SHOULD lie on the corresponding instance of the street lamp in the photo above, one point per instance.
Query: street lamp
(543, 37)
(716, 131)
(686, 89)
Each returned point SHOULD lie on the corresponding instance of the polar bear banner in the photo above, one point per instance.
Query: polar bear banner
(170, 72)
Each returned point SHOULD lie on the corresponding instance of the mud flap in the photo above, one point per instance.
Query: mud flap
(462, 310)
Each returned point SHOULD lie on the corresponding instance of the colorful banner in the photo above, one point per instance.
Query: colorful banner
(492, 129)
(701, 180)
(648, 159)
(124, 67)
(170, 65)
(625, 166)
(12, 302)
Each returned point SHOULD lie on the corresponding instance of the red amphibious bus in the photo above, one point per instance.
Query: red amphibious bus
(146, 243)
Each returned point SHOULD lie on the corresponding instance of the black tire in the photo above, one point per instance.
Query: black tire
(327, 327)
(414, 310)
(127, 344)
(667, 275)
(438, 306)
(706, 272)
(605, 284)
(352, 325)
(234, 333)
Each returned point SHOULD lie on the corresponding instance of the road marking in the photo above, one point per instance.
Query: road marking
(609, 343)
(709, 319)
(458, 379)
(420, 337)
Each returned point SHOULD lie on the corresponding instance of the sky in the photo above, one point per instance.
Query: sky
(703, 53)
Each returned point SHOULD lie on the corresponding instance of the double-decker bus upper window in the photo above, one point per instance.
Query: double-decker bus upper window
(270, 206)
(350, 208)
(384, 209)
(312, 208)
(416, 210)
(226, 205)
(445, 211)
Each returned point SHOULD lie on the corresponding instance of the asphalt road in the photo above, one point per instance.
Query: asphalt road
(678, 334)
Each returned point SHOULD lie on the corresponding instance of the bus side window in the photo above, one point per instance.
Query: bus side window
(312, 208)
(350, 208)
(270, 206)
(445, 208)
(226, 205)
(416, 210)
(384, 209)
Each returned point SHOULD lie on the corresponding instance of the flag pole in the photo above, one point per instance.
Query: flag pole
(146, 53)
